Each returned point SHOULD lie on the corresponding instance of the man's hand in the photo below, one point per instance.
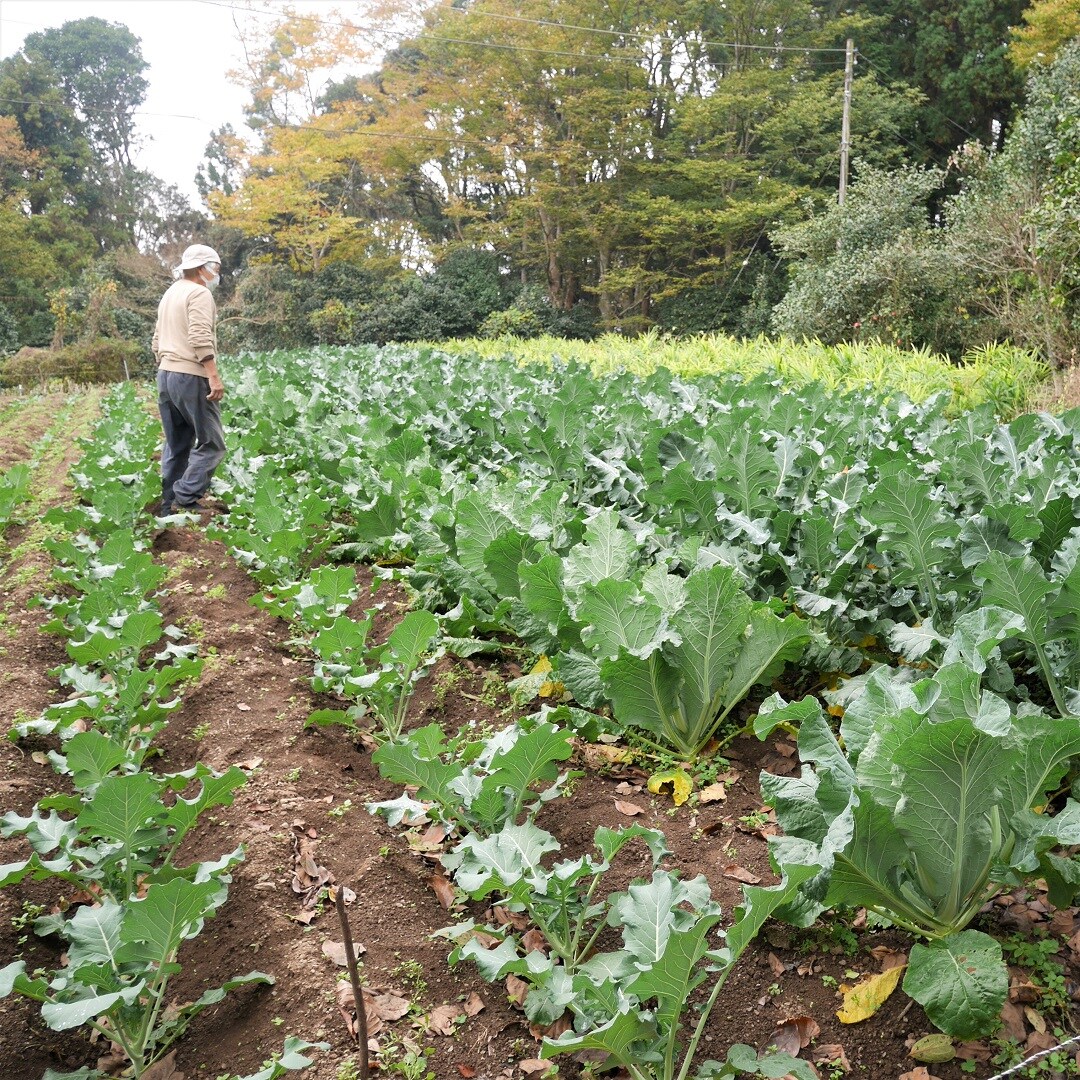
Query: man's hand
(217, 389)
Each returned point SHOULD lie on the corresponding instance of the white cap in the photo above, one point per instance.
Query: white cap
(198, 255)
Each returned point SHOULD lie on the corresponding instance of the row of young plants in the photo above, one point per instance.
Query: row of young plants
(1002, 376)
(124, 905)
(671, 544)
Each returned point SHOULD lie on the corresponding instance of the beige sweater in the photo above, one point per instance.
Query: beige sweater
(185, 332)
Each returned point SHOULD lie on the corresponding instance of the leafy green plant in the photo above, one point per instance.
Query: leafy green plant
(126, 827)
(120, 960)
(682, 685)
(632, 1003)
(563, 901)
(927, 810)
(120, 846)
(14, 491)
(292, 1057)
(474, 786)
(381, 678)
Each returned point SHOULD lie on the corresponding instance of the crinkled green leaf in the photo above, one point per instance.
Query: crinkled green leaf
(961, 982)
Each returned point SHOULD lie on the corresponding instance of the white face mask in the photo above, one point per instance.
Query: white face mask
(214, 279)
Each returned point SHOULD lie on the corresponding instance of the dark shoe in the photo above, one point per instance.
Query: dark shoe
(207, 504)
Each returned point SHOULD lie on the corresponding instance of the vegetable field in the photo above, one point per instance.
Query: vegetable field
(706, 728)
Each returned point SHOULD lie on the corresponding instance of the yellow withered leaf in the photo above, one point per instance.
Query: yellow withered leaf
(682, 783)
(864, 999)
(541, 667)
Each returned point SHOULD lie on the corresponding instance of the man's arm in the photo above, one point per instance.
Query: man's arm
(217, 387)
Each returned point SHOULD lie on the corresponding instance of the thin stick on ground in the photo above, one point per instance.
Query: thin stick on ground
(354, 978)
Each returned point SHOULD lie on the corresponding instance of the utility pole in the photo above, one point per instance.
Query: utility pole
(845, 132)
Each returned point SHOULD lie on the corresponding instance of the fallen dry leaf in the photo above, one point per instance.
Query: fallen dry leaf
(740, 873)
(794, 1034)
(335, 952)
(888, 958)
(443, 890)
(534, 941)
(776, 965)
(504, 916)
(533, 1065)
(628, 808)
(243, 706)
(918, 1073)
(598, 755)
(249, 764)
(165, 1069)
(623, 788)
(831, 1054)
(388, 1006)
(443, 1019)
(973, 1051)
(713, 793)
(474, 1004)
(1037, 1041)
(516, 990)
(864, 999)
(465, 1070)
(1035, 1019)
(40, 757)
(551, 1031)
(1022, 991)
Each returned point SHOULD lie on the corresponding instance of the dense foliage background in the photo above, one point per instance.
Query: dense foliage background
(566, 167)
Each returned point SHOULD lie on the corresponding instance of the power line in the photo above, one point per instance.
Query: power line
(637, 34)
(926, 105)
(136, 112)
(534, 22)
(380, 32)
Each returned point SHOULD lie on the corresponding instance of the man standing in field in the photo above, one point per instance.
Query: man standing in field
(189, 386)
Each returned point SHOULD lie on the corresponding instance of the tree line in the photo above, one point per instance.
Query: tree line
(568, 166)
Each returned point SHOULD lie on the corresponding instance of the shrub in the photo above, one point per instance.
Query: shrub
(98, 360)
(9, 332)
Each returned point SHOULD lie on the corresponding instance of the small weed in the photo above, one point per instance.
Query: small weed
(341, 809)
(1058, 1063)
(23, 922)
(217, 592)
(411, 972)
(293, 775)
(200, 731)
(755, 820)
(1047, 974)
(444, 683)
(406, 1059)
(828, 982)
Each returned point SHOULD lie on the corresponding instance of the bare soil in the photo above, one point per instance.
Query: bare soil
(307, 790)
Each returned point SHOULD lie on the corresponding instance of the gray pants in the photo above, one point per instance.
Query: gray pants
(194, 440)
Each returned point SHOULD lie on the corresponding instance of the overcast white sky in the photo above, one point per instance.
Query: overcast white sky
(189, 45)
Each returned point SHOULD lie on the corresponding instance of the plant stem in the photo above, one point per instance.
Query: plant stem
(354, 978)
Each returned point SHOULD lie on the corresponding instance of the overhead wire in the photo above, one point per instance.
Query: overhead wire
(926, 105)
(552, 24)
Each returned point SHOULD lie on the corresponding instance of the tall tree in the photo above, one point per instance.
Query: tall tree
(74, 91)
(955, 52)
(99, 67)
(1048, 26)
